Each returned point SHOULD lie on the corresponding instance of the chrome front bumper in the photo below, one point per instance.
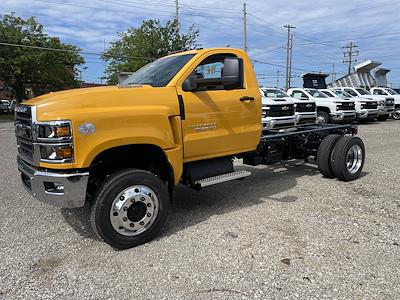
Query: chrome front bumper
(386, 110)
(59, 189)
(364, 113)
(343, 116)
(278, 122)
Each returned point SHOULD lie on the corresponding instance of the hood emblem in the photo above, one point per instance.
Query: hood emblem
(285, 107)
(308, 105)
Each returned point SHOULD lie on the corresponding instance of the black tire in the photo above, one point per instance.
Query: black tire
(325, 116)
(383, 118)
(107, 193)
(324, 155)
(340, 156)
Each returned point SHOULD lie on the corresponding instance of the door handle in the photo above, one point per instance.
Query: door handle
(247, 98)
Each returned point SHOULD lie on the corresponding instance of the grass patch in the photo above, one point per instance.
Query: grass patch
(6, 117)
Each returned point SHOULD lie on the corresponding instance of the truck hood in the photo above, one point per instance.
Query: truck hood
(60, 105)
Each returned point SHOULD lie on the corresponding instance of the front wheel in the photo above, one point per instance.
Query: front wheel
(130, 208)
(396, 115)
(323, 118)
(348, 158)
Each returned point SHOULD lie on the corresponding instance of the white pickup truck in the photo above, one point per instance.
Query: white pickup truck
(385, 103)
(329, 109)
(305, 111)
(366, 110)
(388, 92)
(277, 112)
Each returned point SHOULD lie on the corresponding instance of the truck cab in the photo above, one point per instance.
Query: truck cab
(329, 109)
(181, 119)
(305, 112)
(388, 92)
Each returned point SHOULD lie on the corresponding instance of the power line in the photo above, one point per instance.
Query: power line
(73, 51)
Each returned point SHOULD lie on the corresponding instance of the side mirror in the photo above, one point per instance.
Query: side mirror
(232, 74)
(190, 84)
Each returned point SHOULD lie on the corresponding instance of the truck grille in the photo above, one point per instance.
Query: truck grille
(370, 105)
(280, 110)
(23, 131)
(389, 102)
(346, 106)
(305, 107)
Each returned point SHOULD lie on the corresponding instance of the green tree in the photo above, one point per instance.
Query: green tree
(37, 69)
(151, 40)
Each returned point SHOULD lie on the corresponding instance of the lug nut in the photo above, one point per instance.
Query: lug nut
(125, 219)
(115, 214)
(141, 223)
(142, 198)
(149, 215)
(132, 225)
(122, 198)
(148, 204)
(125, 208)
(132, 200)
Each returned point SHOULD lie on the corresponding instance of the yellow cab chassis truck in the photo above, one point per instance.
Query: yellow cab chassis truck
(181, 119)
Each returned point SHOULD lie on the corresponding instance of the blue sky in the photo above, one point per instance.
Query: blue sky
(322, 29)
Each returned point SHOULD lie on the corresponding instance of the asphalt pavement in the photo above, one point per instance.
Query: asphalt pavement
(284, 233)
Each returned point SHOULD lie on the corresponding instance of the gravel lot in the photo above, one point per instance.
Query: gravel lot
(285, 232)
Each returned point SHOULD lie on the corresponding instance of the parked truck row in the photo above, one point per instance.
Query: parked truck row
(181, 119)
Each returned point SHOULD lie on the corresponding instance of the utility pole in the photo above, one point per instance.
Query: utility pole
(277, 78)
(244, 27)
(333, 73)
(289, 28)
(177, 14)
(350, 55)
(290, 60)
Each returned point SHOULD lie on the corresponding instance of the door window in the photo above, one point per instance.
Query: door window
(212, 68)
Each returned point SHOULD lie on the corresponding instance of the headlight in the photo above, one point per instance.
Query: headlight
(265, 111)
(56, 153)
(55, 143)
(54, 131)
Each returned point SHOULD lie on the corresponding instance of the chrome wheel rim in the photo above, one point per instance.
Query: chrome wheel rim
(354, 159)
(134, 210)
(396, 115)
(320, 120)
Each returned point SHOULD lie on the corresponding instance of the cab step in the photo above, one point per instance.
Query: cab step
(222, 178)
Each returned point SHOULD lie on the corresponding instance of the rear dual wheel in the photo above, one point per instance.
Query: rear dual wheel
(341, 157)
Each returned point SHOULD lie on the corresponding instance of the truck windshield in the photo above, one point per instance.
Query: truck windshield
(363, 92)
(342, 94)
(391, 92)
(272, 93)
(160, 72)
(317, 94)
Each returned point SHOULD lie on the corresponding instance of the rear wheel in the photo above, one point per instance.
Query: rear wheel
(348, 158)
(324, 155)
(323, 118)
(130, 208)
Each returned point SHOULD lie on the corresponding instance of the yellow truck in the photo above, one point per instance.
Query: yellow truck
(181, 119)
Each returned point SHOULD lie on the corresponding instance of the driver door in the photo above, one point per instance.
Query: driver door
(219, 121)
